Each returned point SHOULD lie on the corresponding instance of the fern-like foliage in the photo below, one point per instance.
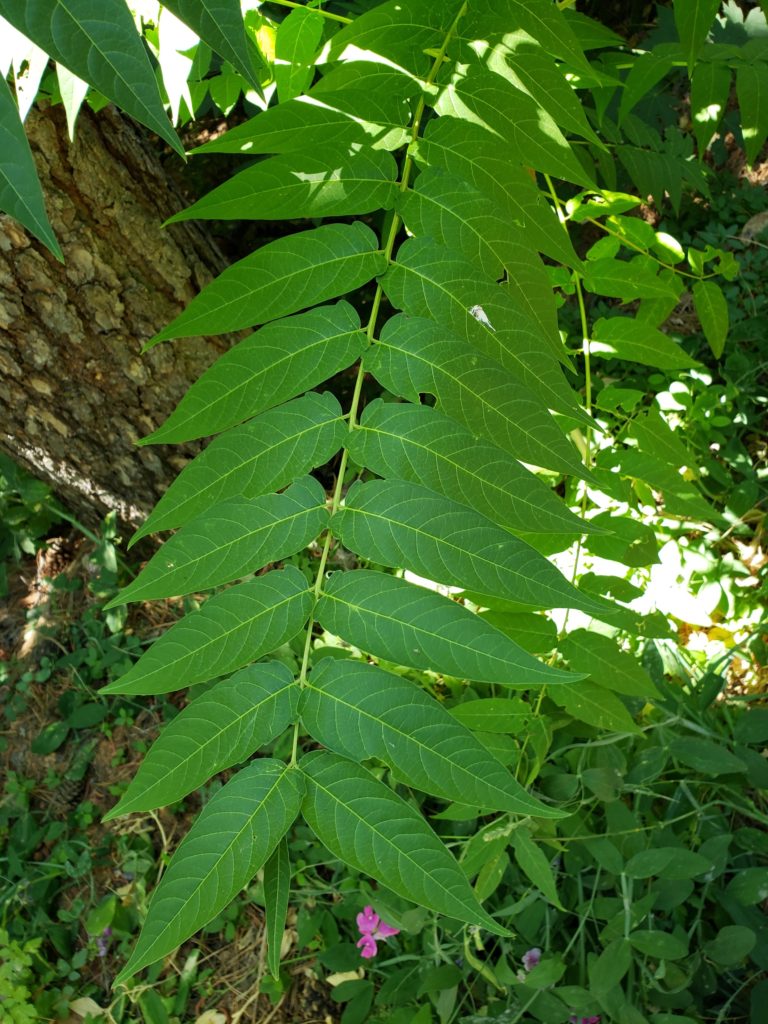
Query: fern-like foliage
(427, 144)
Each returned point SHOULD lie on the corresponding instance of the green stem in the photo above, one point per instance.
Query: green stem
(317, 10)
(370, 331)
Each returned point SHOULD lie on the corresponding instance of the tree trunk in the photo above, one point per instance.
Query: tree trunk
(75, 391)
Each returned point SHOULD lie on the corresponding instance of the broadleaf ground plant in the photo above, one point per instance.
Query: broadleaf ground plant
(439, 155)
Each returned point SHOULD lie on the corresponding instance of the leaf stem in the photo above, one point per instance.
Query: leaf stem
(317, 10)
(370, 330)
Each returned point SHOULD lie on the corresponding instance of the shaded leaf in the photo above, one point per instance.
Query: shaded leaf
(324, 183)
(262, 455)
(365, 825)
(220, 728)
(360, 712)
(594, 705)
(417, 443)
(712, 310)
(280, 278)
(233, 539)
(427, 280)
(234, 835)
(393, 619)
(20, 193)
(396, 523)
(277, 886)
(608, 666)
(693, 19)
(267, 368)
(97, 41)
(493, 168)
(414, 356)
(231, 629)
(535, 864)
(461, 218)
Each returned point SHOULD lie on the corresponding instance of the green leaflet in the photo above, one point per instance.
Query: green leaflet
(512, 117)
(296, 42)
(596, 706)
(277, 886)
(405, 624)
(535, 864)
(608, 666)
(260, 456)
(494, 714)
(267, 368)
(220, 728)
(235, 833)
(365, 825)
(403, 524)
(494, 168)
(233, 539)
(647, 69)
(414, 356)
(370, 111)
(693, 19)
(427, 280)
(20, 193)
(710, 86)
(231, 629)
(463, 220)
(626, 338)
(220, 24)
(627, 280)
(97, 41)
(281, 278)
(544, 80)
(712, 311)
(399, 32)
(538, 18)
(324, 183)
(417, 443)
(360, 711)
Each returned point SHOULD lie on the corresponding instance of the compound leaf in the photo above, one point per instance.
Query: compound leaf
(220, 24)
(326, 182)
(417, 443)
(414, 356)
(359, 711)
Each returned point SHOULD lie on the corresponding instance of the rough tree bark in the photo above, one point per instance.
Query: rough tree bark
(75, 392)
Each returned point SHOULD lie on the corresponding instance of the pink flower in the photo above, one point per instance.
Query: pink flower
(595, 1019)
(373, 930)
(532, 958)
